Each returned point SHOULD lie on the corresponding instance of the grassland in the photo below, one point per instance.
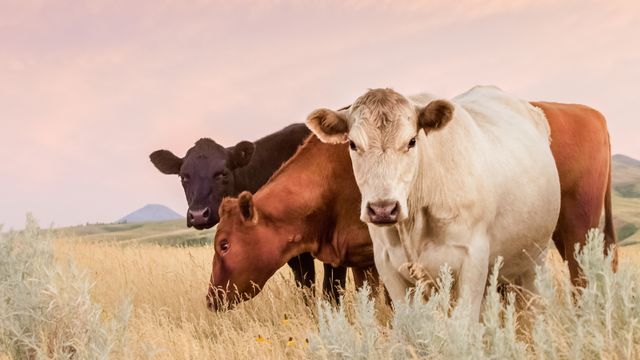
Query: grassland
(165, 287)
(168, 233)
(626, 198)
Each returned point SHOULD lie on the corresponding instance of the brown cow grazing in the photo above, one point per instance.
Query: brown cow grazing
(309, 205)
(581, 149)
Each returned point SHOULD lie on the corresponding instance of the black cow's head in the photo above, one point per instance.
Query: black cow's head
(206, 172)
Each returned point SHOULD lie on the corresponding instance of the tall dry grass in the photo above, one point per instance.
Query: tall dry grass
(46, 310)
(169, 320)
(167, 288)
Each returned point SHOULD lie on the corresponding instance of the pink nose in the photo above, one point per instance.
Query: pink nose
(383, 212)
(198, 217)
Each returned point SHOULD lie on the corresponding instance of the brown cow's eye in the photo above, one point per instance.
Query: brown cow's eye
(352, 145)
(412, 143)
(224, 246)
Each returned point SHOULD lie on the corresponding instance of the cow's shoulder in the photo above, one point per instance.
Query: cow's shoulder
(490, 106)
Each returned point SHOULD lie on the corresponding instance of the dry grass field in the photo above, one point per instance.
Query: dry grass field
(170, 321)
(144, 300)
(167, 285)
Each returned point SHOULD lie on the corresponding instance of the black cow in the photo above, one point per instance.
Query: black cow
(209, 172)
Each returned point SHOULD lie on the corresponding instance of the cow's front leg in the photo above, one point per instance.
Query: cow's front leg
(472, 278)
(394, 282)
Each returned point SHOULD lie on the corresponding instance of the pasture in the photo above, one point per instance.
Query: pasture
(133, 114)
(119, 291)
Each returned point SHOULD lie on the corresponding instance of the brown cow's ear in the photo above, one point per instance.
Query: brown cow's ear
(248, 211)
(240, 155)
(328, 125)
(435, 115)
(166, 161)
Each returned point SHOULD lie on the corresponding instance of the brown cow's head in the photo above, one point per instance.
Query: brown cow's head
(206, 173)
(248, 248)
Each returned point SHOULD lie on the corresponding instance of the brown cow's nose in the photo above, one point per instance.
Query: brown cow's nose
(198, 217)
(383, 212)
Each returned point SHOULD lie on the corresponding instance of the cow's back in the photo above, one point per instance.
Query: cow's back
(270, 153)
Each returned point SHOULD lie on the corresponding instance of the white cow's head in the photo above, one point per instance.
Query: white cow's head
(382, 129)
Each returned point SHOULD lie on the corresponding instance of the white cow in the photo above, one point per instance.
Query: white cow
(479, 182)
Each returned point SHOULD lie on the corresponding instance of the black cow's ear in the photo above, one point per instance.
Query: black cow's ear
(248, 211)
(435, 115)
(241, 154)
(166, 161)
(328, 125)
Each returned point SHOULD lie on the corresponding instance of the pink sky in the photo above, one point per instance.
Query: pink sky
(89, 89)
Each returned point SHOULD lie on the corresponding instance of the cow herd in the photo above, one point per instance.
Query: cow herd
(395, 187)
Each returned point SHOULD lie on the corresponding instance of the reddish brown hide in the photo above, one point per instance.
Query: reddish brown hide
(310, 205)
(580, 145)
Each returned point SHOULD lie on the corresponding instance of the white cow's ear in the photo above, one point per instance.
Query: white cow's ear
(328, 125)
(435, 115)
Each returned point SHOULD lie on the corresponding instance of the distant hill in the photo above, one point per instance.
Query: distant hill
(626, 176)
(151, 212)
(626, 198)
(626, 160)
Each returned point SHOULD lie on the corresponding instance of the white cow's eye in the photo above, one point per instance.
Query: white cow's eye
(412, 143)
(352, 145)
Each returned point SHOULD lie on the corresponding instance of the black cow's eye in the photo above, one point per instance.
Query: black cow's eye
(352, 145)
(184, 178)
(412, 143)
(224, 246)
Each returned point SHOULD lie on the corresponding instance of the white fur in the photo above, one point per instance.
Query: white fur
(485, 185)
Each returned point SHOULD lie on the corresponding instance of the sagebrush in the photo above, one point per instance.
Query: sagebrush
(600, 321)
(147, 301)
(46, 311)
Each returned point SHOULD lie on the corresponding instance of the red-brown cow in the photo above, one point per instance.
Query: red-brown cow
(582, 151)
(309, 205)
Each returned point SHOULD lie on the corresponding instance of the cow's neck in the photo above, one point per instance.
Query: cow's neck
(298, 199)
(446, 173)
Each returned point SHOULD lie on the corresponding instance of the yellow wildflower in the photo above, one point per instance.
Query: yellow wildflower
(291, 342)
(262, 340)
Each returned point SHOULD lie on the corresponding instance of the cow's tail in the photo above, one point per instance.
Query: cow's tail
(609, 228)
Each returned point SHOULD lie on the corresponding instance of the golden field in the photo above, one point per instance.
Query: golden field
(118, 291)
(170, 320)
